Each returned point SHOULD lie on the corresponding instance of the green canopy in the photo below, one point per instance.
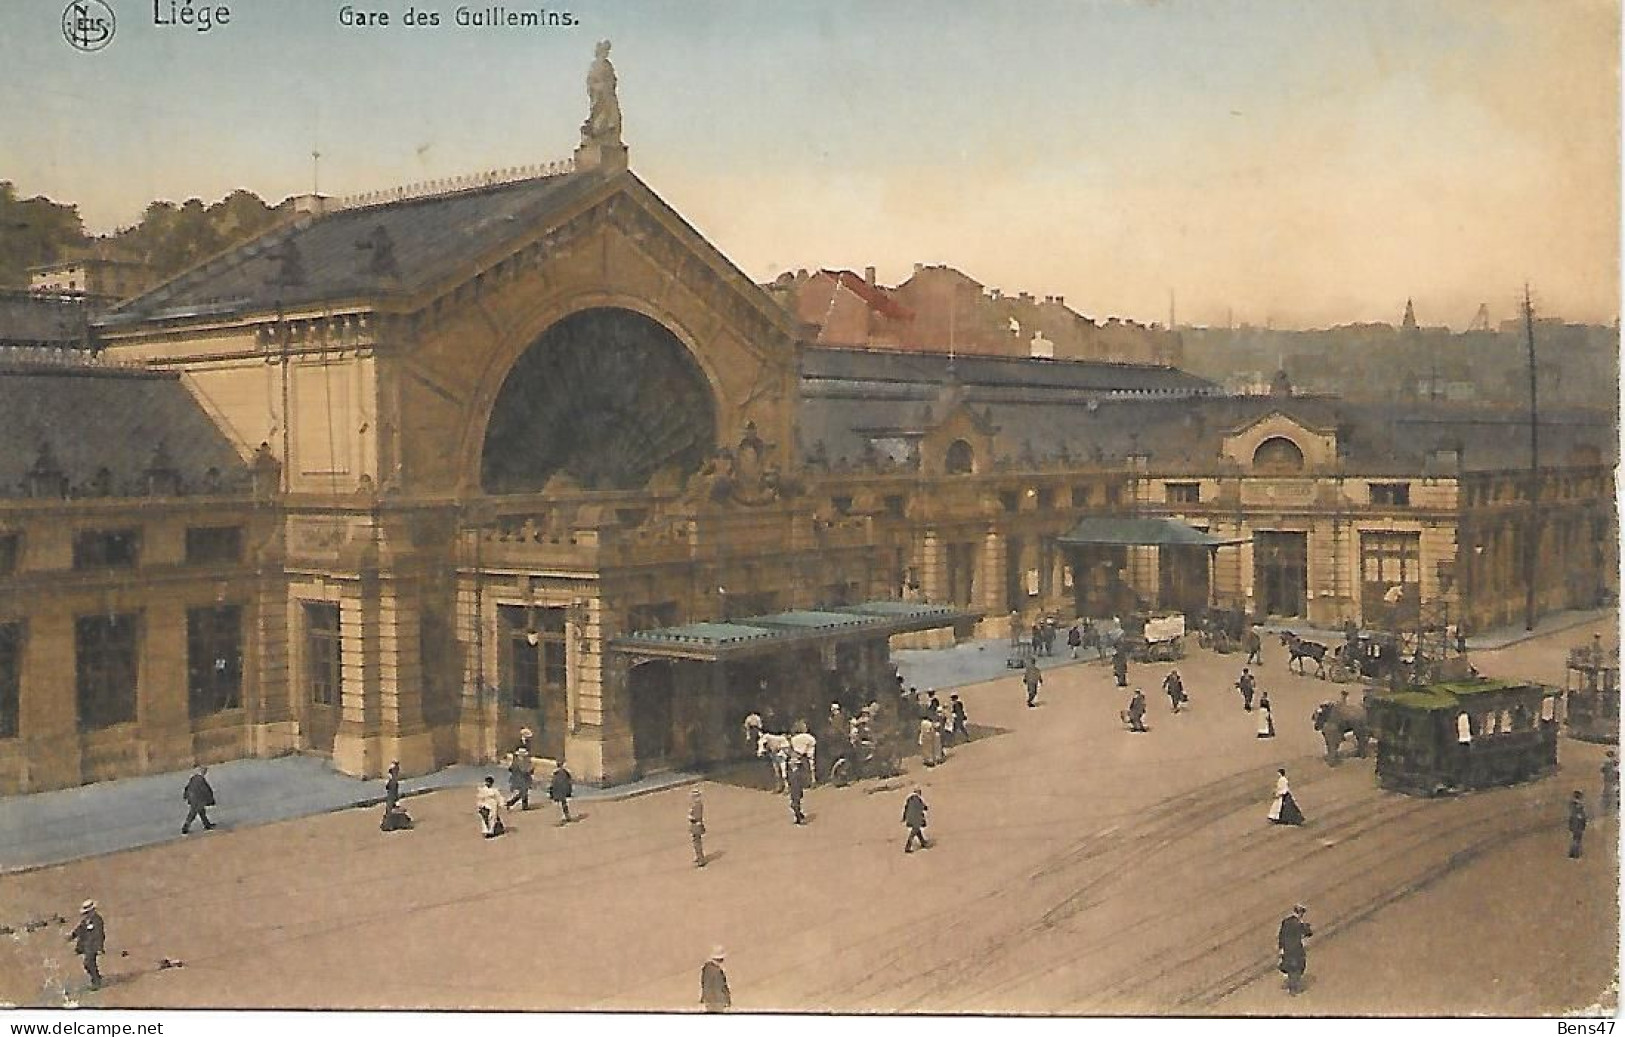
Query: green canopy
(1141, 532)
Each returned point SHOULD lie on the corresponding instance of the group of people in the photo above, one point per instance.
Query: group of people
(488, 801)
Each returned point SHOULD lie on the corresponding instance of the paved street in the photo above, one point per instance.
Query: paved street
(1076, 868)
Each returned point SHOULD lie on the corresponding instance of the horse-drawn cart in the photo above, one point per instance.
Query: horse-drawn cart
(1156, 638)
(1450, 737)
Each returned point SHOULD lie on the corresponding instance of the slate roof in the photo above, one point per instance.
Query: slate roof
(90, 418)
(1042, 409)
(33, 320)
(428, 239)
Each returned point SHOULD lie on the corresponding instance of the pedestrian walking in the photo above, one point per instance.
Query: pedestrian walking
(1294, 960)
(961, 724)
(1284, 810)
(1120, 664)
(199, 797)
(560, 787)
(696, 826)
(1174, 688)
(1034, 679)
(1255, 647)
(395, 819)
(521, 776)
(1266, 718)
(1610, 783)
(1135, 714)
(1246, 684)
(914, 811)
(488, 804)
(800, 778)
(1074, 639)
(753, 730)
(714, 993)
(1015, 629)
(1577, 822)
(89, 940)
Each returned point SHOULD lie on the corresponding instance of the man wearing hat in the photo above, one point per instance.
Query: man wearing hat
(521, 775)
(1289, 941)
(714, 993)
(914, 810)
(560, 787)
(89, 938)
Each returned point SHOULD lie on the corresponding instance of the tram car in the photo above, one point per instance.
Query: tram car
(1592, 695)
(1442, 738)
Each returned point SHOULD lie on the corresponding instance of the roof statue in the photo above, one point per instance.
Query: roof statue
(603, 125)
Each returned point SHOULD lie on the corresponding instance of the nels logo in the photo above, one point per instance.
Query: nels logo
(88, 25)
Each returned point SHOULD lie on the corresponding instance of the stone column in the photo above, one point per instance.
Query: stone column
(162, 711)
(404, 735)
(355, 745)
(48, 713)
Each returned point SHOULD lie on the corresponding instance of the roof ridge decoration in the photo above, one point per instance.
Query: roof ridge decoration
(451, 185)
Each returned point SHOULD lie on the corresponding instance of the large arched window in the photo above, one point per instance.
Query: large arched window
(1278, 454)
(961, 458)
(606, 397)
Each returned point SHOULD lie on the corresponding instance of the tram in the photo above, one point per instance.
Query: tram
(1442, 738)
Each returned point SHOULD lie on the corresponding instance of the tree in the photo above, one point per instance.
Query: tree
(33, 232)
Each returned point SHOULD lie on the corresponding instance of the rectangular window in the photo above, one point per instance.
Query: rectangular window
(323, 656)
(214, 659)
(214, 545)
(842, 505)
(106, 548)
(11, 678)
(1391, 494)
(534, 656)
(896, 505)
(105, 661)
(1114, 496)
(11, 550)
(1081, 496)
(1182, 492)
(1010, 500)
(1046, 500)
(1391, 558)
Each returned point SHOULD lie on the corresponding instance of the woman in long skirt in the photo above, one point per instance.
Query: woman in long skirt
(1284, 811)
(1266, 719)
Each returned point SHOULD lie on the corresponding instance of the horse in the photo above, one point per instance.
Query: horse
(782, 753)
(1338, 720)
(1302, 650)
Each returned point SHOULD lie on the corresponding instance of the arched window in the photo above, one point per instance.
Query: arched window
(1278, 454)
(961, 458)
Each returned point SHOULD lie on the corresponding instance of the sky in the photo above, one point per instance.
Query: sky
(1297, 163)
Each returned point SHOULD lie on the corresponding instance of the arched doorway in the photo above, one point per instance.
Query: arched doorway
(605, 399)
(651, 687)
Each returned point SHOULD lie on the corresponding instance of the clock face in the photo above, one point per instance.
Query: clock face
(605, 397)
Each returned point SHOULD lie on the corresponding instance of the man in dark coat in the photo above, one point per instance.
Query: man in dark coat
(961, 725)
(1136, 711)
(1610, 783)
(1120, 664)
(798, 779)
(1174, 688)
(1289, 941)
(1033, 678)
(199, 798)
(1246, 685)
(714, 993)
(560, 787)
(521, 776)
(89, 940)
(914, 810)
(395, 819)
(1577, 822)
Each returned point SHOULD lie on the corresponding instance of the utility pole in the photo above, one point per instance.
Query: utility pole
(1531, 549)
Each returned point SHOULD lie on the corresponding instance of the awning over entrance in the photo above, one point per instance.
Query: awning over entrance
(740, 638)
(1140, 532)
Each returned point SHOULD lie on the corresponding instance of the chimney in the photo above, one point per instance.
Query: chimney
(309, 204)
(869, 274)
(1060, 300)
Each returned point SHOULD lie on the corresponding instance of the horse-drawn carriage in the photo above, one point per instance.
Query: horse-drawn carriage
(1592, 694)
(1449, 737)
(1155, 637)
